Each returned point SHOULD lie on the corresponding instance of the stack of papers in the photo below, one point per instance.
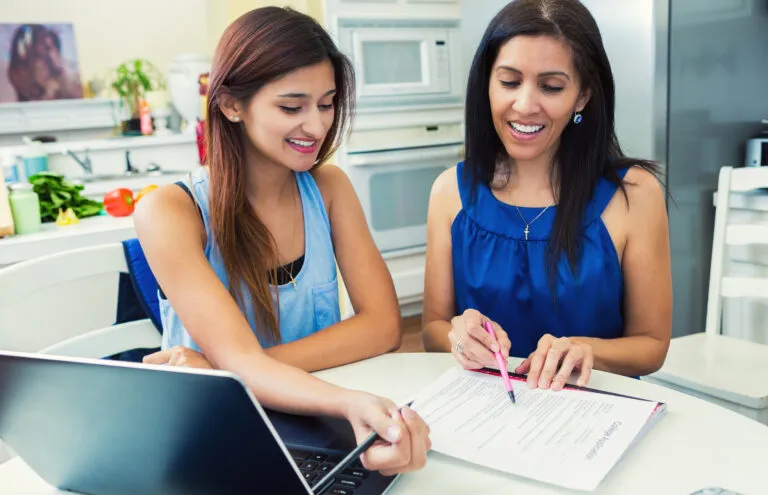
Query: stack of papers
(571, 438)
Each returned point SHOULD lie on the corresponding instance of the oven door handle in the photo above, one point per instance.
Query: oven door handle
(384, 157)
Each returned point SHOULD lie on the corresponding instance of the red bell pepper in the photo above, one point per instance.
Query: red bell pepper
(119, 202)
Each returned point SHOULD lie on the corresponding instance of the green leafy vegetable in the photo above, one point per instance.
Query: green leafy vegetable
(55, 193)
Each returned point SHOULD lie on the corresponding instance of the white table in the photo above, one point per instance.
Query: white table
(696, 445)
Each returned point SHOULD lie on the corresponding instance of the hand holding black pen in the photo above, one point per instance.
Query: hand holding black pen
(391, 442)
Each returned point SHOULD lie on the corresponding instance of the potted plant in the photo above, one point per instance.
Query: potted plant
(133, 79)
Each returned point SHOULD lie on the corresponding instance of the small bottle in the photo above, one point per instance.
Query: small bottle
(200, 137)
(8, 168)
(200, 127)
(145, 118)
(25, 207)
(6, 218)
(35, 159)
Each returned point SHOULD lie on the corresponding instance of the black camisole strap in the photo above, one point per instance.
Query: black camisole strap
(186, 189)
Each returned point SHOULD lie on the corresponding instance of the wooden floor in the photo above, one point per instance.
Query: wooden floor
(412, 335)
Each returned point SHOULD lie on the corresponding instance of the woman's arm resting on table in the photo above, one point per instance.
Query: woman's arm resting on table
(647, 275)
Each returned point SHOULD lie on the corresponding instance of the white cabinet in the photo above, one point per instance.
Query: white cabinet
(385, 9)
(407, 272)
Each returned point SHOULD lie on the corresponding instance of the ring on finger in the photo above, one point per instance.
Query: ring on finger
(459, 347)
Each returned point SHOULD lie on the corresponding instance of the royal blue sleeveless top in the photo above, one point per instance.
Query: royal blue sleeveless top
(499, 273)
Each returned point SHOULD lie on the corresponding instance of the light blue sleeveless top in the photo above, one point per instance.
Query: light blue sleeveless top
(305, 309)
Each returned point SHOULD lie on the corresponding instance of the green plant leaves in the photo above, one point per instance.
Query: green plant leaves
(133, 79)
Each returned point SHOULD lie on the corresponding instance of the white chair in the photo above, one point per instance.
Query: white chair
(724, 370)
(64, 304)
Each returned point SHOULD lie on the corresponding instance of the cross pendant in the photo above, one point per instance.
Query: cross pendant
(526, 231)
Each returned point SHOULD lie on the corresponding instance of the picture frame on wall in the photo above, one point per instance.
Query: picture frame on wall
(38, 62)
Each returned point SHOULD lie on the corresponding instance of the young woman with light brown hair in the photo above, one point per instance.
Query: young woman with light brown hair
(246, 254)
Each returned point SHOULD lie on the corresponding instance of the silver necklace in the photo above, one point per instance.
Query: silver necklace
(289, 271)
(527, 224)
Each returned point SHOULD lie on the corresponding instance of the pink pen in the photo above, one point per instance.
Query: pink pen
(502, 363)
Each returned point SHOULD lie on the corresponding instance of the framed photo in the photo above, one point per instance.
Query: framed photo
(38, 62)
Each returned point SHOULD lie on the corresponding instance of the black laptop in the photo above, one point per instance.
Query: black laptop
(111, 428)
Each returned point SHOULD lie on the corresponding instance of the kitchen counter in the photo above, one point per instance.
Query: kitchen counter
(89, 231)
(52, 239)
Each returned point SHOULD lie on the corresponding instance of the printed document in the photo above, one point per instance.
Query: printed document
(571, 438)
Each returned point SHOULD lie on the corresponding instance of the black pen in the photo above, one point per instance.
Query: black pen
(357, 452)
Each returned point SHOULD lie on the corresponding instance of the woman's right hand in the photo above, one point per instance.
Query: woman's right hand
(472, 345)
(406, 436)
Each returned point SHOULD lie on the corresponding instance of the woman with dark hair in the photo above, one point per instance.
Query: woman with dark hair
(245, 255)
(547, 230)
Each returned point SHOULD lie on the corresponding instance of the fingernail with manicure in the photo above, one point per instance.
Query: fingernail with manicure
(393, 433)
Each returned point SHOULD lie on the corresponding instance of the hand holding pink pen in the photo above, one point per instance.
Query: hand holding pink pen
(502, 365)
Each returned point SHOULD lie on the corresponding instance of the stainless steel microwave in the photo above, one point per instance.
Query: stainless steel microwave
(404, 63)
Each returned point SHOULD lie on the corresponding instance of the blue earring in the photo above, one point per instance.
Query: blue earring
(577, 118)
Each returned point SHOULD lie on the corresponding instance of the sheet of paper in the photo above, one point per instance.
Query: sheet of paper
(570, 438)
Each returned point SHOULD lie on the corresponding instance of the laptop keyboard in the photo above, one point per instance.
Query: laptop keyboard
(314, 465)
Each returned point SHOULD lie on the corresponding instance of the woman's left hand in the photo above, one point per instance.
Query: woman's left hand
(178, 356)
(553, 361)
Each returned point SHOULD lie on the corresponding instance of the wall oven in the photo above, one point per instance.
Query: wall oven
(392, 171)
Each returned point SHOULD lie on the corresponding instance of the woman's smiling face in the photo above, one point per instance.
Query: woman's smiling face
(534, 91)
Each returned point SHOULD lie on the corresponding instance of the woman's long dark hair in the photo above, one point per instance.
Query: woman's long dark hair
(587, 151)
(257, 48)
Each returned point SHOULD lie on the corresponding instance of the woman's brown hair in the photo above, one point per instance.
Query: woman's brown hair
(257, 48)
